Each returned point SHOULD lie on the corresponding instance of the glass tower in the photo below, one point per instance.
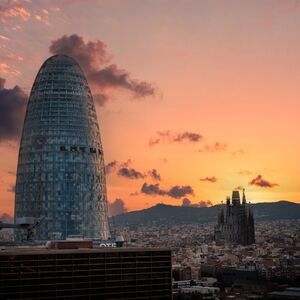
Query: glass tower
(60, 175)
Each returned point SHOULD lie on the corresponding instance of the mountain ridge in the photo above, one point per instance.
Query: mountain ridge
(165, 214)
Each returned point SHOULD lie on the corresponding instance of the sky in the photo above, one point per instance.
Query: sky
(195, 98)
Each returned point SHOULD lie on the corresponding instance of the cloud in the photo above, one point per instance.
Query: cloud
(126, 163)
(8, 70)
(117, 207)
(91, 55)
(101, 73)
(113, 77)
(175, 137)
(154, 174)
(134, 194)
(12, 109)
(13, 9)
(203, 203)
(186, 202)
(239, 188)
(113, 165)
(240, 151)
(152, 189)
(190, 136)
(180, 191)
(10, 57)
(130, 173)
(212, 179)
(4, 38)
(100, 99)
(110, 167)
(174, 192)
(6, 218)
(259, 181)
(125, 171)
(216, 147)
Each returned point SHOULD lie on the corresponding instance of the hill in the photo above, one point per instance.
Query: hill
(162, 214)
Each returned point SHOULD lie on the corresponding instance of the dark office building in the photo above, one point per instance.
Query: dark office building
(60, 175)
(98, 273)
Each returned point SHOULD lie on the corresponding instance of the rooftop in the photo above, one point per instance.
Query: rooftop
(43, 250)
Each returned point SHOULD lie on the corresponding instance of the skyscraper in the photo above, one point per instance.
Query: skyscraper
(236, 223)
(60, 174)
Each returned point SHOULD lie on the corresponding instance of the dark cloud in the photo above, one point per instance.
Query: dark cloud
(12, 109)
(126, 163)
(212, 179)
(152, 189)
(203, 203)
(130, 173)
(117, 207)
(174, 192)
(134, 194)
(173, 137)
(90, 55)
(125, 171)
(6, 218)
(2, 83)
(112, 77)
(154, 174)
(259, 181)
(154, 141)
(216, 147)
(113, 165)
(180, 191)
(110, 167)
(101, 73)
(186, 202)
(189, 136)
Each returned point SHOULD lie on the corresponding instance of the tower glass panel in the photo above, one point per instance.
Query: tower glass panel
(60, 175)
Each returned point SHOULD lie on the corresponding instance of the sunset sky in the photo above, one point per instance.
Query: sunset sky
(203, 92)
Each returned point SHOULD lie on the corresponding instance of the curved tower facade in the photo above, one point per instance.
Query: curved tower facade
(60, 175)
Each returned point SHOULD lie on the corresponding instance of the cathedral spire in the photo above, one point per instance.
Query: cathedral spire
(227, 201)
(236, 198)
(244, 197)
(236, 224)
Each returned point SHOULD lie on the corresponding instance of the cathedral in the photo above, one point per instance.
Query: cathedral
(235, 223)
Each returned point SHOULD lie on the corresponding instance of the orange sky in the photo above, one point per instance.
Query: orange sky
(227, 70)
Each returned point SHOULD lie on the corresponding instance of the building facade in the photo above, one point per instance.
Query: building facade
(60, 174)
(103, 273)
(236, 222)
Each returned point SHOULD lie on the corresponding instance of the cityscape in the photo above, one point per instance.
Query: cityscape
(173, 175)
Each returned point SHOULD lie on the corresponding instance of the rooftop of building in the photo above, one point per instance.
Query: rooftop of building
(32, 250)
(61, 58)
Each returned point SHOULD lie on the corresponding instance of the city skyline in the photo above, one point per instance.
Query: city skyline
(195, 98)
